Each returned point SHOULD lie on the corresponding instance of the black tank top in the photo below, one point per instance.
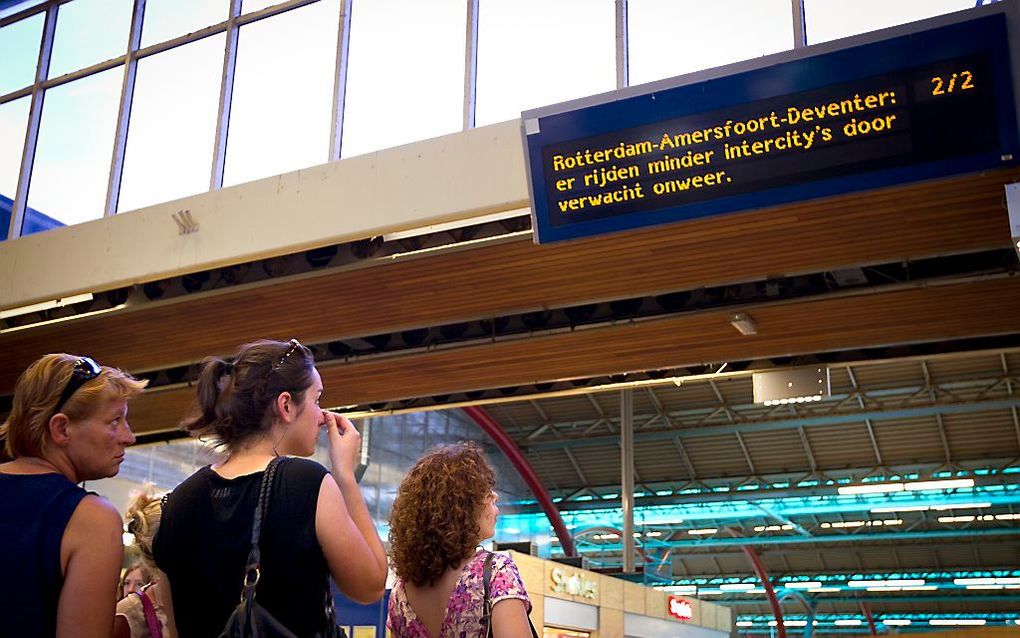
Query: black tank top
(34, 511)
(203, 542)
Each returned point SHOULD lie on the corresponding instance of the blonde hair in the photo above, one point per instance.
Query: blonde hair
(38, 391)
(144, 511)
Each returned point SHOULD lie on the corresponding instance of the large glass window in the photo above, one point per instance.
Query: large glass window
(673, 37)
(13, 122)
(72, 158)
(831, 19)
(173, 124)
(405, 77)
(19, 50)
(537, 52)
(283, 88)
(88, 32)
(168, 19)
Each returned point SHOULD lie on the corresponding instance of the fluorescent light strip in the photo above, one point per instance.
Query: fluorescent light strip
(870, 488)
(948, 622)
(896, 622)
(987, 581)
(736, 586)
(701, 532)
(948, 484)
(810, 584)
(745, 623)
(885, 583)
(824, 590)
(848, 622)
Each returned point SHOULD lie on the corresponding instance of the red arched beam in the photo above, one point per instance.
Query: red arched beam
(763, 576)
(871, 619)
(506, 444)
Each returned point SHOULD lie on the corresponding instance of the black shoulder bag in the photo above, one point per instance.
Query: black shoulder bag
(487, 615)
(250, 619)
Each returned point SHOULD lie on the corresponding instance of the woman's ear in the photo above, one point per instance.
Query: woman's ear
(59, 427)
(285, 407)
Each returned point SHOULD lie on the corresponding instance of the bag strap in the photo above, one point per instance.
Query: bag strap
(155, 628)
(251, 570)
(487, 613)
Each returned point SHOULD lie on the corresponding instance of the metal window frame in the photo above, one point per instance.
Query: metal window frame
(231, 26)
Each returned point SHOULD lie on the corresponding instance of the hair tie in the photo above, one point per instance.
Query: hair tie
(228, 368)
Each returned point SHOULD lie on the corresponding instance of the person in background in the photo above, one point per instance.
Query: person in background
(136, 575)
(61, 547)
(444, 508)
(262, 405)
(145, 611)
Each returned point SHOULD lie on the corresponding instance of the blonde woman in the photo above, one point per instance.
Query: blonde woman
(144, 613)
(60, 546)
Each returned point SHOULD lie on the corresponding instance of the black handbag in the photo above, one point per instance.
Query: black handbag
(250, 619)
(487, 614)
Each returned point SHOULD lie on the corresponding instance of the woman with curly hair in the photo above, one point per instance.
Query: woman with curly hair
(444, 508)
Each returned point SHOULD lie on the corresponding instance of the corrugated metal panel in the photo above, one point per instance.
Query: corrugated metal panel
(905, 441)
(841, 446)
(777, 452)
(716, 456)
(975, 367)
(888, 374)
(981, 435)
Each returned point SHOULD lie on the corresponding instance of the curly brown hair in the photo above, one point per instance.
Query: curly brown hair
(434, 522)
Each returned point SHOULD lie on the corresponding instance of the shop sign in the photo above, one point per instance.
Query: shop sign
(574, 584)
(680, 609)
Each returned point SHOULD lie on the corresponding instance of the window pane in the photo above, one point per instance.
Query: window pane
(173, 124)
(167, 19)
(538, 52)
(400, 49)
(283, 88)
(752, 28)
(88, 32)
(13, 122)
(830, 19)
(72, 159)
(19, 50)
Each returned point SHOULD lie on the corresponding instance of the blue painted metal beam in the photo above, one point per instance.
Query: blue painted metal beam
(827, 538)
(782, 424)
(975, 599)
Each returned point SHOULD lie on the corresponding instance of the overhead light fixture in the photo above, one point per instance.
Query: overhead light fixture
(986, 581)
(744, 324)
(886, 583)
(824, 590)
(896, 622)
(795, 623)
(961, 506)
(810, 584)
(745, 623)
(736, 586)
(947, 484)
(702, 532)
(870, 488)
(792, 385)
(948, 622)
(848, 622)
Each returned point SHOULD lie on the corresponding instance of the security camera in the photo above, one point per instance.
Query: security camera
(1013, 208)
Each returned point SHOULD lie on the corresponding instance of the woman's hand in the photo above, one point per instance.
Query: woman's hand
(344, 443)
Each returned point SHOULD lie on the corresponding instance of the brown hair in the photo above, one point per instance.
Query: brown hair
(143, 513)
(38, 391)
(434, 521)
(235, 400)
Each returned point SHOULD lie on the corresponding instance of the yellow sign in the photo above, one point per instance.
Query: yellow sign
(574, 584)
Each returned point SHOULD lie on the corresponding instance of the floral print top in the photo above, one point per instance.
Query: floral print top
(464, 611)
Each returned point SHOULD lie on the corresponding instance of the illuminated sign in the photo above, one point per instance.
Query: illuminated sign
(574, 584)
(927, 104)
(680, 609)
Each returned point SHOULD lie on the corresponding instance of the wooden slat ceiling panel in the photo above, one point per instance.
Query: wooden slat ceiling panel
(947, 312)
(908, 441)
(982, 435)
(841, 446)
(913, 221)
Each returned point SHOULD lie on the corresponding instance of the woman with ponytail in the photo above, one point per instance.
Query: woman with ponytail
(60, 546)
(262, 405)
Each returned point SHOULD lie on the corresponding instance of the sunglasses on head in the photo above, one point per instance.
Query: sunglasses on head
(294, 345)
(85, 369)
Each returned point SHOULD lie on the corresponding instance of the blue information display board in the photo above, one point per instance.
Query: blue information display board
(928, 104)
